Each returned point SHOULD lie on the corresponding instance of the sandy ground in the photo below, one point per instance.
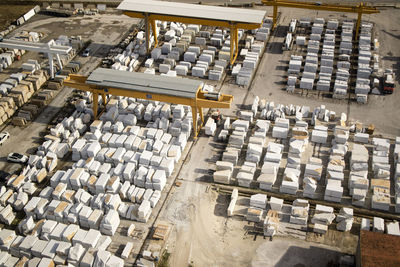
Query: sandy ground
(382, 111)
(10, 13)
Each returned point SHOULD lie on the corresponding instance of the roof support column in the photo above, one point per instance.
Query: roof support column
(104, 97)
(194, 118)
(147, 26)
(200, 109)
(154, 28)
(234, 41)
(95, 97)
(275, 16)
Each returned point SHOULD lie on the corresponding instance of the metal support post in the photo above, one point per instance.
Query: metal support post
(194, 118)
(104, 97)
(234, 41)
(95, 104)
(200, 110)
(147, 25)
(154, 28)
(275, 17)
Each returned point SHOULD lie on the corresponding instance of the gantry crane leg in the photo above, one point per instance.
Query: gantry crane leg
(234, 42)
(275, 17)
(95, 97)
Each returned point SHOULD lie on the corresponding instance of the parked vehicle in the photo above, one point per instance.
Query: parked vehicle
(86, 53)
(17, 158)
(3, 137)
(388, 81)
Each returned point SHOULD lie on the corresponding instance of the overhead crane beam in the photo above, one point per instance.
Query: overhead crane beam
(198, 103)
(50, 48)
(360, 9)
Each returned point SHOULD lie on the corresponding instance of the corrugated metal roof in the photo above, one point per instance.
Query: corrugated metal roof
(142, 82)
(194, 11)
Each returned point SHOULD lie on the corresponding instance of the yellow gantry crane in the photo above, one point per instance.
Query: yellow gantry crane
(360, 9)
(102, 82)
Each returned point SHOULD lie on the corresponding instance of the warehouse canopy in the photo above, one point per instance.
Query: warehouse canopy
(102, 82)
(226, 17)
(145, 83)
(253, 18)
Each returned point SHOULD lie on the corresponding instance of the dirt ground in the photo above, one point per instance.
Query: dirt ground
(9, 13)
(269, 81)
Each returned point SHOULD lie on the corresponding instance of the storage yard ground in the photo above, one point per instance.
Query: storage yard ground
(196, 208)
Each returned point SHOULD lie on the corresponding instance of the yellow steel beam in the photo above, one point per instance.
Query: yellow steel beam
(361, 8)
(189, 20)
(307, 5)
(224, 101)
(197, 104)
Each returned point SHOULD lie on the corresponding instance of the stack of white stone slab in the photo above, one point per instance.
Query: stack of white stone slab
(358, 182)
(261, 128)
(246, 71)
(378, 225)
(322, 218)
(210, 127)
(295, 64)
(271, 225)
(281, 128)
(290, 182)
(312, 175)
(381, 183)
(262, 33)
(254, 152)
(344, 219)
(297, 146)
(321, 113)
(275, 204)
(392, 228)
(319, 134)
(254, 214)
(223, 172)
(299, 212)
(364, 71)
(258, 201)
(270, 166)
(246, 174)
(231, 154)
(396, 161)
